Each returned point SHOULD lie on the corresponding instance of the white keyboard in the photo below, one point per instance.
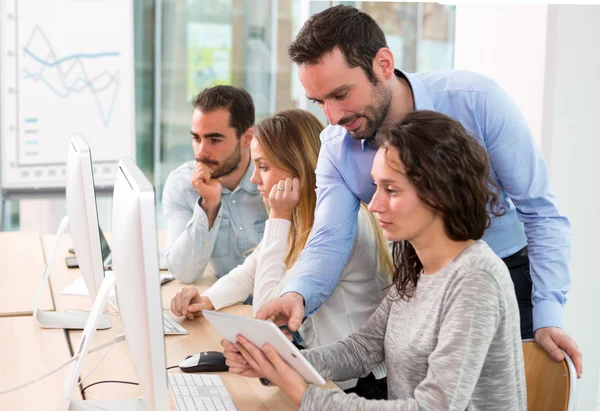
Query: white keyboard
(200, 392)
(170, 324)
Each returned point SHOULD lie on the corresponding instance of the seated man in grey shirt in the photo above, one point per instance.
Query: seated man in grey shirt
(449, 329)
(214, 213)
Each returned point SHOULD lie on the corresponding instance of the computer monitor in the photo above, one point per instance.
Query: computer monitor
(106, 253)
(135, 255)
(83, 214)
(135, 262)
(83, 223)
(71, 260)
(107, 256)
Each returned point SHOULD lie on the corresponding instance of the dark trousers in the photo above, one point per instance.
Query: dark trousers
(518, 265)
(370, 388)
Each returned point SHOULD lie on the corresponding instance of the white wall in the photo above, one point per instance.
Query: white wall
(506, 42)
(547, 58)
(571, 145)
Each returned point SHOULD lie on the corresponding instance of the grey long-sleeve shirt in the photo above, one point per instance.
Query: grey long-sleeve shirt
(238, 227)
(455, 345)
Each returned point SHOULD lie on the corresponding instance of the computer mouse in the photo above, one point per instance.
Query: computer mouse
(207, 361)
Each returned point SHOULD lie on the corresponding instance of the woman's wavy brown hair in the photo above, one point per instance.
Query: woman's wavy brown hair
(451, 173)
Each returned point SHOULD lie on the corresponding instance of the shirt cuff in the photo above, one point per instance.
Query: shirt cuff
(201, 218)
(217, 299)
(201, 237)
(295, 285)
(200, 215)
(547, 313)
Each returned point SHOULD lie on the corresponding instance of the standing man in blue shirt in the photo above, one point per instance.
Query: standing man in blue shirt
(346, 68)
(214, 213)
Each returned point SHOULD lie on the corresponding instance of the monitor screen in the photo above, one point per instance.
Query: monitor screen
(106, 254)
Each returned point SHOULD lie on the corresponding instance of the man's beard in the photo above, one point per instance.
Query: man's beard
(228, 166)
(374, 115)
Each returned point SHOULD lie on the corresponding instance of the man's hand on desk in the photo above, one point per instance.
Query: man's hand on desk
(287, 309)
(189, 303)
(552, 339)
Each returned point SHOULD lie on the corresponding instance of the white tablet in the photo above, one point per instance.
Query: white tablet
(260, 332)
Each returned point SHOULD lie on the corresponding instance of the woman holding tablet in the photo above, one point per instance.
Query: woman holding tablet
(448, 329)
(285, 149)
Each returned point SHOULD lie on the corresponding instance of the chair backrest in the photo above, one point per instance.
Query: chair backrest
(550, 384)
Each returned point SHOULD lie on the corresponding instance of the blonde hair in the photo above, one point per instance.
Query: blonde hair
(290, 141)
(384, 256)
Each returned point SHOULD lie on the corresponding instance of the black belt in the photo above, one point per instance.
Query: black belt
(519, 258)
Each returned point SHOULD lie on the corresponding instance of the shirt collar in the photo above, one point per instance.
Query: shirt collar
(245, 184)
(420, 95)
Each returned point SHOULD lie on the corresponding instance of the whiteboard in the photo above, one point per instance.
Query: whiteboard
(66, 68)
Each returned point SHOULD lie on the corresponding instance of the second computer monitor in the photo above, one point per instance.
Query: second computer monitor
(135, 262)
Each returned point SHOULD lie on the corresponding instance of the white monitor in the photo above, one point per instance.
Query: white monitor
(135, 263)
(135, 252)
(83, 215)
(135, 256)
(85, 234)
(137, 281)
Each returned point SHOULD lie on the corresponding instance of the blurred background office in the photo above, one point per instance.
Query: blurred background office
(545, 56)
(183, 47)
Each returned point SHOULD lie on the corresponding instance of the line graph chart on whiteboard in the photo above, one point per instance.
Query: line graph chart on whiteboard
(67, 68)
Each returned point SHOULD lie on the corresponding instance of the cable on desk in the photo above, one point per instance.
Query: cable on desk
(108, 381)
(109, 344)
(95, 366)
(116, 381)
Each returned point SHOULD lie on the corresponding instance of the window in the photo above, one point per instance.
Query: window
(244, 43)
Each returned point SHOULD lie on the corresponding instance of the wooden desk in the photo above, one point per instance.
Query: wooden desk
(26, 352)
(247, 394)
(21, 268)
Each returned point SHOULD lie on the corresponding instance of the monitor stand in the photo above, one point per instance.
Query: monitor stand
(56, 319)
(108, 405)
(83, 348)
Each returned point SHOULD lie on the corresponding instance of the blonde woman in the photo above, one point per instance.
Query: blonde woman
(285, 149)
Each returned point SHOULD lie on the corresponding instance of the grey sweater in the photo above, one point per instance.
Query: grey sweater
(455, 345)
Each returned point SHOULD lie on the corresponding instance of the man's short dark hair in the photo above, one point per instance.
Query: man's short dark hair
(357, 35)
(234, 99)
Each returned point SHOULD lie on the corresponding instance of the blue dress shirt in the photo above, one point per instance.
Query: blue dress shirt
(532, 217)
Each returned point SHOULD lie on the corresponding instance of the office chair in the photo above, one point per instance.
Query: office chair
(551, 385)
